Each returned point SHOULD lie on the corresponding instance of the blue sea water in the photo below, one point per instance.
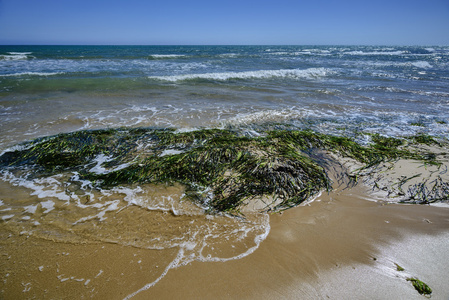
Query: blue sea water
(337, 89)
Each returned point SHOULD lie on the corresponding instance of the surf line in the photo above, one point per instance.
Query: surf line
(178, 261)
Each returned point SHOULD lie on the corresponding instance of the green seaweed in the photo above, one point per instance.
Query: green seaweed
(399, 268)
(236, 169)
(420, 286)
(425, 139)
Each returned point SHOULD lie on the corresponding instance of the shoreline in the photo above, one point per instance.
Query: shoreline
(345, 243)
(333, 247)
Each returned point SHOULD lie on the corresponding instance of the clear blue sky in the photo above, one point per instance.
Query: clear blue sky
(149, 22)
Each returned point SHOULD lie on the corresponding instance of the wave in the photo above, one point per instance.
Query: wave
(376, 53)
(16, 56)
(418, 64)
(165, 56)
(311, 73)
(31, 74)
(421, 64)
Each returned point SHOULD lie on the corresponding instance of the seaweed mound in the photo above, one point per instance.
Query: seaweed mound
(221, 169)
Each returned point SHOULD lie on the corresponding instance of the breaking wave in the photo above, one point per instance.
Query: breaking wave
(311, 73)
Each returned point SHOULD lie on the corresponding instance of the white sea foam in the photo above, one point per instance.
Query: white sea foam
(30, 209)
(43, 188)
(311, 73)
(375, 53)
(264, 116)
(110, 206)
(191, 250)
(20, 53)
(100, 160)
(162, 56)
(48, 206)
(228, 55)
(7, 217)
(31, 74)
(422, 64)
(16, 56)
(170, 152)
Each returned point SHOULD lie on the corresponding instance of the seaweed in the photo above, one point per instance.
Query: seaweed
(420, 286)
(424, 139)
(279, 165)
(428, 192)
(399, 268)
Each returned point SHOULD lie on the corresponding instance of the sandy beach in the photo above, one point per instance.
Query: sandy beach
(339, 246)
(133, 172)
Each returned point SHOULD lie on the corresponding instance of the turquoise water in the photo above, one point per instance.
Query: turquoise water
(389, 90)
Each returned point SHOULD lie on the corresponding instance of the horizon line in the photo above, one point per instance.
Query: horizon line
(197, 45)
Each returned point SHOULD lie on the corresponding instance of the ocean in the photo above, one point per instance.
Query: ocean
(388, 90)
(394, 91)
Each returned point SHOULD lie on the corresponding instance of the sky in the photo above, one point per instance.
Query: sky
(230, 22)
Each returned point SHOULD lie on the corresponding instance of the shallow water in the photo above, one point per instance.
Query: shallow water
(390, 90)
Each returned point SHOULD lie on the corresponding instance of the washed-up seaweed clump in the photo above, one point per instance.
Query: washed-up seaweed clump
(222, 169)
(420, 286)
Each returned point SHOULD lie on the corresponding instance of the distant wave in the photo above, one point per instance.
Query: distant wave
(16, 56)
(421, 64)
(376, 53)
(31, 74)
(165, 56)
(260, 74)
(418, 64)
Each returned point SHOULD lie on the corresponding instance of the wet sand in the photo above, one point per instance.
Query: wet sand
(340, 246)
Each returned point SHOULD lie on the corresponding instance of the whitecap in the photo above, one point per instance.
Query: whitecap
(259, 74)
(16, 56)
(422, 64)
(31, 74)
(376, 53)
(165, 56)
